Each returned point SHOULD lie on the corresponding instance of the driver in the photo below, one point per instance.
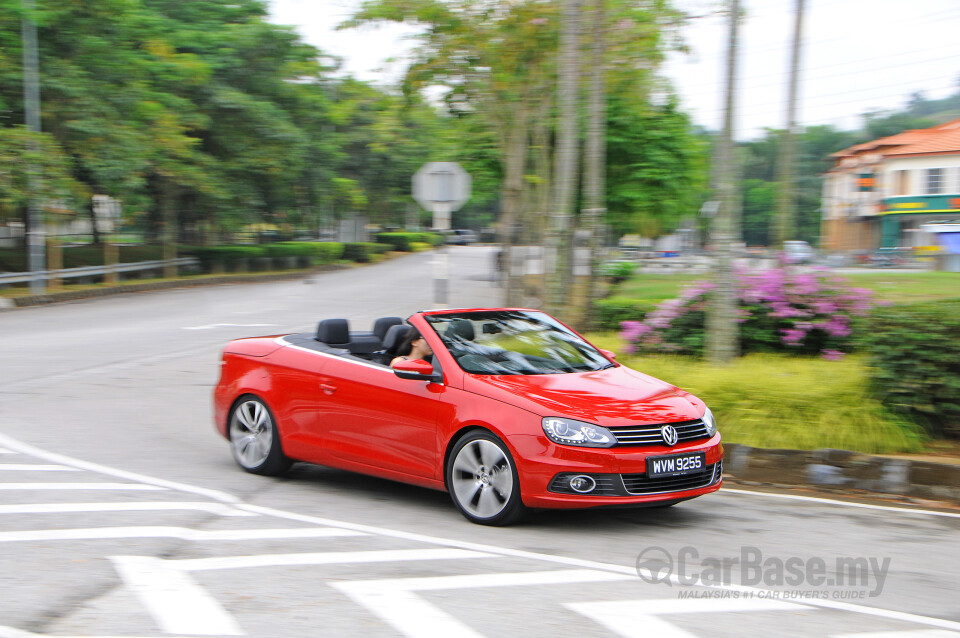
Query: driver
(413, 347)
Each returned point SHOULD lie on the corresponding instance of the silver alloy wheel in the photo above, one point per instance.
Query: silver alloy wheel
(482, 479)
(251, 432)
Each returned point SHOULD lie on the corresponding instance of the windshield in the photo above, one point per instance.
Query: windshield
(514, 342)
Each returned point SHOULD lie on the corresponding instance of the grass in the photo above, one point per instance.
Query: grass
(898, 286)
(782, 401)
(653, 288)
(909, 287)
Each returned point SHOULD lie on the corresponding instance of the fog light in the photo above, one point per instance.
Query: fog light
(582, 484)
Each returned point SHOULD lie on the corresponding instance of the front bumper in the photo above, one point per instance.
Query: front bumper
(619, 471)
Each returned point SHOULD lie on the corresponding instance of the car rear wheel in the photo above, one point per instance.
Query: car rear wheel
(254, 438)
(482, 480)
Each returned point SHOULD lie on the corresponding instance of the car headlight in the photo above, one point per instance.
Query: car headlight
(570, 432)
(710, 422)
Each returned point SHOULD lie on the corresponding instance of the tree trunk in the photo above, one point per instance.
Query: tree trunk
(786, 208)
(595, 157)
(722, 327)
(511, 198)
(565, 165)
(168, 208)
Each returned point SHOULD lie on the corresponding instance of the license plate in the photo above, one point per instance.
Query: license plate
(676, 465)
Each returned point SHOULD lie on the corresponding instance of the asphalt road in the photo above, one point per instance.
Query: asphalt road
(123, 514)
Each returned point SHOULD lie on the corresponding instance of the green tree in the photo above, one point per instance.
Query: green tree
(656, 167)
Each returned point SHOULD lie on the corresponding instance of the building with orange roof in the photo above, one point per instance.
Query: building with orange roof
(882, 193)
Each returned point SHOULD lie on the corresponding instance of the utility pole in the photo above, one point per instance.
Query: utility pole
(722, 328)
(786, 200)
(31, 108)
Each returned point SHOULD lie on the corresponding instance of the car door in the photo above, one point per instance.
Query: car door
(369, 415)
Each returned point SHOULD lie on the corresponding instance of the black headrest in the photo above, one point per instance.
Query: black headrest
(333, 331)
(383, 324)
(395, 335)
(461, 328)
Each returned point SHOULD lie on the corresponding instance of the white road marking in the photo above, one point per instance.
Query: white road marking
(11, 632)
(640, 618)
(181, 606)
(6, 451)
(830, 501)
(176, 602)
(130, 487)
(183, 533)
(62, 508)
(24, 467)
(24, 448)
(919, 633)
(211, 326)
(589, 564)
(396, 603)
(324, 558)
(224, 497)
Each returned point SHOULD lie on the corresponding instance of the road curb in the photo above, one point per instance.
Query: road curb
(843, 470)
(12, 303)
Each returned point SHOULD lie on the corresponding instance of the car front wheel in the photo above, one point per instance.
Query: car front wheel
(254, 438)
(482, 480)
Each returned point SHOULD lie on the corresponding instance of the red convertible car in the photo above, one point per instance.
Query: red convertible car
(515, 410)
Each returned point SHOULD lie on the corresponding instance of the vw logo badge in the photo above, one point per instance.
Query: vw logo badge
(669, 434)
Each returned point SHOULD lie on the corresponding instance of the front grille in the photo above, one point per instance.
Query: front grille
(638, 484)
(650, 434)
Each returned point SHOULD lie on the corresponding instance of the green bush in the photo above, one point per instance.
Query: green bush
(914, 353)
(327, 252)
(397, 240)
(617, 271)
(401, 241)
(208, 256)
(612, 310)
(288, 249)
(363, 251)
(419, 246)
(15, 259)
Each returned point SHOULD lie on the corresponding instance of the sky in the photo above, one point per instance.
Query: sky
(857, 55)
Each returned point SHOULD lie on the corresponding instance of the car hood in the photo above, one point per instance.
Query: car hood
(612, 397)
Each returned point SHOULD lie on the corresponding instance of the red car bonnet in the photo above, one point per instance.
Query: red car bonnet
(612, 397)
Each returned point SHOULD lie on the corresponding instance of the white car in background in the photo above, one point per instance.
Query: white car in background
(797, 252)
(461, 237)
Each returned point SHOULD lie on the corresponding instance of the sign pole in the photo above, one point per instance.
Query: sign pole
(441, 188)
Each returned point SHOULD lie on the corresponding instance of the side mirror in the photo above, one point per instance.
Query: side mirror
(416, 370)
(608, 354)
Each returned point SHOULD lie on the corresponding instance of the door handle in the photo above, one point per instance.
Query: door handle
(328, 389)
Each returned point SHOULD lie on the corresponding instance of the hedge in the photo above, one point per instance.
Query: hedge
(316, 252)
(208, 256)
(15, 259)
(401, 241)
(363, 251)
(914, 353)
(612, 310)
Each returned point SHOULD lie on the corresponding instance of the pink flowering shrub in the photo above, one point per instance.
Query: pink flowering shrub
(805, 313)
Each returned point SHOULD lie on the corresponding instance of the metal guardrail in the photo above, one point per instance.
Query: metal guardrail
(93, 271)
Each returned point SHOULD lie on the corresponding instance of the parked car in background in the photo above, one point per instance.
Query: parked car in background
(461, 237)
(797, 252)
